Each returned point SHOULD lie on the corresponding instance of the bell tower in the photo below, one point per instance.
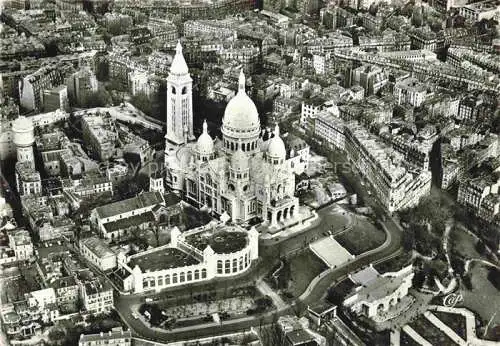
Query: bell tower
(179, 101)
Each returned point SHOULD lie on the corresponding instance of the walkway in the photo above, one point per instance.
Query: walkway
(470, 320)
(415, 336)
(264, 288)
(444, 328)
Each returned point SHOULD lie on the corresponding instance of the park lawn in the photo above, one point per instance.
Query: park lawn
(407, 340)
(303, 269)
(431, 333)
(484, 298)
(363, 237)
(464, 243)
(454, 321)
(394, 264)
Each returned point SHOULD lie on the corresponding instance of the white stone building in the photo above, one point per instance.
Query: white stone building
(242, 175)
(194, 256)
(98, 253)
(377, 294)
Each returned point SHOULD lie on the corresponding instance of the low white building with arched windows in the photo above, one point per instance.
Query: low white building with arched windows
(198, 255)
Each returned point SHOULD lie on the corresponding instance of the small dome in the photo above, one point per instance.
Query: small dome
(239, 160)
(205, 144)
(179, 66)
(240, 112)
(276, 147)
(22, 124)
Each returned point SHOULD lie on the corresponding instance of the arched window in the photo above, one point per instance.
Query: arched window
(232, 146)
(203, 273)
(173, 90)
(197, 274)
(227, 267)
(182, 277)
(219, 267)
(174, 278)
(241, 263)
(235, 265)
(189, 276)
(167, 279)
(160, 281)
(184, 91)
(248, 146)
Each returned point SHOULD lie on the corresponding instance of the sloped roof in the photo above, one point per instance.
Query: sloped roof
(143, 200)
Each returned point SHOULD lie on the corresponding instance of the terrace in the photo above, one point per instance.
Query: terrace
(162, 259)
(223, 241)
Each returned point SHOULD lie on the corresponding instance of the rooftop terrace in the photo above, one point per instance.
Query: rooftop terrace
(162, 259)
(222, 241)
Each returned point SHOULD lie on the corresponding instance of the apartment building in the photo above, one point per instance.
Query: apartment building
(111, 338)
(394, 184)
(410, 91)
(99, 132)
(330, 130)
(97, 296)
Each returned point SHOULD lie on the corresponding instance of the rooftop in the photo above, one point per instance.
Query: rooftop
(143, 200)
(161, 259)
(225, 240)
(128, 222)
(97, 246)
(105, 336)
(300, 337)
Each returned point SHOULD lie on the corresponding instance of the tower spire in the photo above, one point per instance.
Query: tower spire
(205, 126)
(241, 81)
(179, 66)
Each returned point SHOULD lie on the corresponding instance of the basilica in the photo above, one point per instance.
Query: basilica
(241, 175)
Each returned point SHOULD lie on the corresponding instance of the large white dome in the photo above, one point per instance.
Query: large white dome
(241, 113)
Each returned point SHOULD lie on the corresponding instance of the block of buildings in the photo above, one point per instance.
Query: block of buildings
(111, 338)
(97, 252)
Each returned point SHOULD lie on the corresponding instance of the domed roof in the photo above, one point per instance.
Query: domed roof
(179, 66)
(276, 147)
(241, 112)
(239, 160)
(22, 124)
(205, 144)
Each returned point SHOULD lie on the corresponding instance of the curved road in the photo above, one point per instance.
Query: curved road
(390, 248)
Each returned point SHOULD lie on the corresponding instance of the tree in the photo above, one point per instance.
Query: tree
(156, 232)
(298, 307)
(57, 336)
(102, 70)
(467, 282)
(94, 99)
(143, 102)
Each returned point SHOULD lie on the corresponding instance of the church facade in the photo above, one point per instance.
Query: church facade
(241, 175)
